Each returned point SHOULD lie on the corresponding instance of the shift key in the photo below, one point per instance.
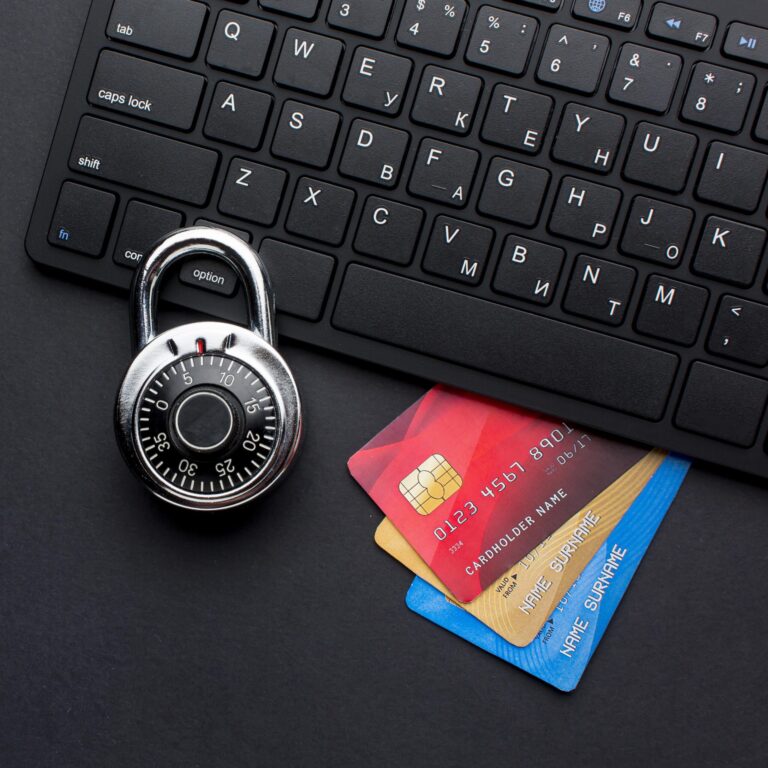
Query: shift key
(146, 90)
(143, 160)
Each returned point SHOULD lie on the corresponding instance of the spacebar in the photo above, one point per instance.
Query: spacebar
(507, 342)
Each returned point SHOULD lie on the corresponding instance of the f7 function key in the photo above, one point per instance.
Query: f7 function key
(682, 25)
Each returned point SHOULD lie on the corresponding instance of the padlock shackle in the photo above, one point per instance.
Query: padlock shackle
(212, 243)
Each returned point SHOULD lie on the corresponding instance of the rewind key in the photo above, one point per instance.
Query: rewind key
(682, 25)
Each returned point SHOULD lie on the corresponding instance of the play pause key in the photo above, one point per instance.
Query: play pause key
(747, 42)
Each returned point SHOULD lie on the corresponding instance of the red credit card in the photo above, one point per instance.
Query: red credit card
(475, 485)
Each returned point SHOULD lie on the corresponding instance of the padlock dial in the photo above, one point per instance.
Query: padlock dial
(207, 424)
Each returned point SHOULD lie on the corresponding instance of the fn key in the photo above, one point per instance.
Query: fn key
(82, 219)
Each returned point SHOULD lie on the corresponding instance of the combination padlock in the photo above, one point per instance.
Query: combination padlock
(208, 414)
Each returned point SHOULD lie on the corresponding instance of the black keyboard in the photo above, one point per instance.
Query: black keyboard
(559, 203)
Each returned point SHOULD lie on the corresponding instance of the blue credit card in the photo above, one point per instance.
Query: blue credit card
(565, 644)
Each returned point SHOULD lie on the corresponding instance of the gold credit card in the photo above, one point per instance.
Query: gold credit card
(522, 599)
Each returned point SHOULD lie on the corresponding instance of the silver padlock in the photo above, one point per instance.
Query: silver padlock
(208, 414)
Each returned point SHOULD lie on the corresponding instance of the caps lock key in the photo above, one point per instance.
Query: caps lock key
(146, 90)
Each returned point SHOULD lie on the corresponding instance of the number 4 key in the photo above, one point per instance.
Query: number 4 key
(432, 25)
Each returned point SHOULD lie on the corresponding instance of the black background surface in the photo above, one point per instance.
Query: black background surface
(130, 637)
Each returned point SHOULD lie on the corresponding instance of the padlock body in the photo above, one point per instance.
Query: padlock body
(208, 416)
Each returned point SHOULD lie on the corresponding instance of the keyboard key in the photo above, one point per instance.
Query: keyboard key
(244, 235)
(365, 17)
(501, 40)
(722, 404)
(599, 290)
(645, 78)
(573, 59)
(517, 119)
(305, 134)
(613, 13)
(374, 153)
(238, 115)
(671, 310)
(431, 25)
(733, 176)
(718, 97)
(320, 211)
(210, 275)
(443, 172)
(143, 160)
(82, 219)
(304, 9)
(143, 225)
(446, 99)
(299, 276)
(513, 191)
(740, 331)
(660, 157)
(588, 138)
(585, 211)
(761, 125)
(240, 44)
(458, 250)
(172, 27)
(146, 90)
(747, 42)
(308, 62)
(657, 231)
(550, 5)
(682, 25)
(505, 341)
(729, 251)
(528, 270)
(389, 230)
(377, 81)
(252, 191)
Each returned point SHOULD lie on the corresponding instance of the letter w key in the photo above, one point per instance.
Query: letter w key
(308, 62)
